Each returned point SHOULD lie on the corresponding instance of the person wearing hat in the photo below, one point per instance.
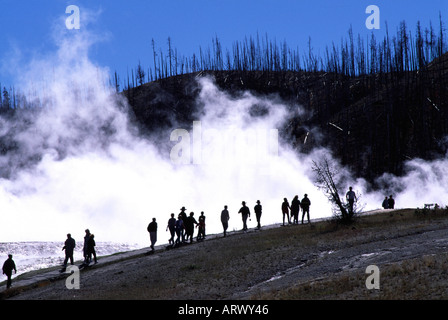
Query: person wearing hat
(245, 213)
(257, 210)
(8, 266)
(183, 214)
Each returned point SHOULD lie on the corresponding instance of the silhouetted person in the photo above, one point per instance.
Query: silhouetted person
(91, 249)
(245, 213)
(189, 226)
(69, 247)
(152, 229)
(84, 248)
(257, 209)
(285, 210)
(201, 226)
(172, 227)
(385, 203)
(305, 204)
(391, 202)
(295, 208)
(183, 215)
(179, 227)
(351, 198)
(225, 219)
(8, 266)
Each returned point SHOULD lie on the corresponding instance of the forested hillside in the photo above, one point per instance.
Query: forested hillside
(375, 102)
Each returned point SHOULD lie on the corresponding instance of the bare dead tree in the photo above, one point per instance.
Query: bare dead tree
(140, 73)
(327, 179)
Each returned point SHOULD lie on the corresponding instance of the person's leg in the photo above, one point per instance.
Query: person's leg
(225, 225)
(9, 280)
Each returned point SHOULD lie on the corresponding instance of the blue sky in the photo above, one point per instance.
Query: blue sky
(127, 27)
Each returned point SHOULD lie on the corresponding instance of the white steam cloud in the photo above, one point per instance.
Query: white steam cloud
(89, 169)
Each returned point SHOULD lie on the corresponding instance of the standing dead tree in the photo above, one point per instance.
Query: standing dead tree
(327, 179)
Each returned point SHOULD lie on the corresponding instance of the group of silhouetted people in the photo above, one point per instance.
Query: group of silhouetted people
(388, 203)
(88, 249)
(294, 209)
(182, 229)
(89, 254)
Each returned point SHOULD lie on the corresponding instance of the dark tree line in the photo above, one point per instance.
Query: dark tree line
(353, 57)
(396, 53)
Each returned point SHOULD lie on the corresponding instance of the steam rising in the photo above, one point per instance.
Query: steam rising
(79, 162)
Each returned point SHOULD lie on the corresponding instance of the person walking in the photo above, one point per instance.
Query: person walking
(225, 219)
(8, 266)
(305, 204)
(69, 247)
(257, 210)
(152, 229)
(183, 215)
(179, 227)
(245, 213)
(201, 226)
(285, 210)
(91, 249)
(172, 227)
(84, 248)
(295, 208)
(351, 198)
(189, 227)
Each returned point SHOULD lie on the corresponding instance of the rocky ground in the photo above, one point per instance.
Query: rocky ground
(318, 261)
